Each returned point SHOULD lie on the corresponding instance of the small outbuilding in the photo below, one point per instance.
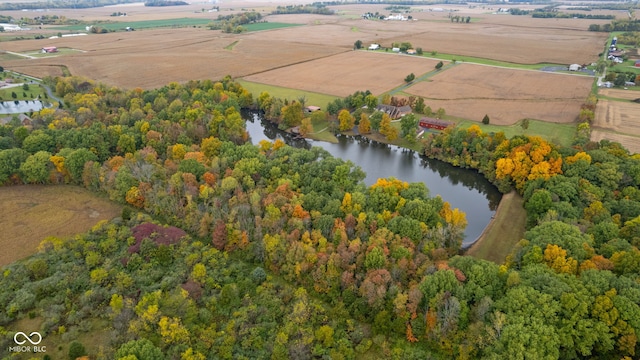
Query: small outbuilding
(49, 49)
(637, 63)
(374, 47)
(309, 109)
(575, 67)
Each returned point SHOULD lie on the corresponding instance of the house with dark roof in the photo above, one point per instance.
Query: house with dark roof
(394, 112)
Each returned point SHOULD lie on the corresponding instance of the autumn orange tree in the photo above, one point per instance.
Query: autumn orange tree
(526, 158)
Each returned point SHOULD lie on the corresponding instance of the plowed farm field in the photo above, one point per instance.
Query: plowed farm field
(345, 73)
(153, 58)
(506, 95)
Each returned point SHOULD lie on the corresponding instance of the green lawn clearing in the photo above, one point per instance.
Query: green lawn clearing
(311, 98)
(147, 24)
(268, 26)
(561, 134)
(503, 232)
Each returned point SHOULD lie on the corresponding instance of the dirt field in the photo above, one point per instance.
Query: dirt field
(618, 121)
(345, 73)
(153, 58)
(41, 211)
(506, 95)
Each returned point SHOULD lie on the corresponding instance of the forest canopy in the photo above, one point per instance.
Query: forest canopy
(238, 251)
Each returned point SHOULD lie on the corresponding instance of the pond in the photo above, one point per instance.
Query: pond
(20, 106)
(462, 188)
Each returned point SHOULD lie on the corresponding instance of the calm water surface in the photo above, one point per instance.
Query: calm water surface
(462, 188)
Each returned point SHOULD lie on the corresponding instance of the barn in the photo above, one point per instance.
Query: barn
(49, 49)
(431, 123)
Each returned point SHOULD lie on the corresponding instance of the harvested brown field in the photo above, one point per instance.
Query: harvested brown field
(618, 120)
(619, 93)
(506, 95)
(632, 143)
(41, 211)
(153, 58)
(345, 73)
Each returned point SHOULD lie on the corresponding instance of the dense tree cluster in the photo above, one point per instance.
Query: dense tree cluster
(256, 216)
(274, 252)
(233, 23)
(570, 280)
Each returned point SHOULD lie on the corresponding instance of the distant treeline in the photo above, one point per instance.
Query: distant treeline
(165, 3)
(62, 4)
(551, 12)
(554, 14)
(303, 9)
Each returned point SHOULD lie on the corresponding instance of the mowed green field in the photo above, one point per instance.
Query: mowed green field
(561, 134)
(311, 98)
(268, 26)
(147, 24)
(39, 211)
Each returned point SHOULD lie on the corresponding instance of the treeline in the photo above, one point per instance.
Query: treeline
(617, 25)
(303, 9)
(61, 4)
(49, 20)
(552, 12)
(233, 23)
(563, 15)
(276, 252)
(165, 3)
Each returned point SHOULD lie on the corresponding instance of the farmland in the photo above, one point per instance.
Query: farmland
(506, 95)
(617, 118)
(313, 53)
(370, 71)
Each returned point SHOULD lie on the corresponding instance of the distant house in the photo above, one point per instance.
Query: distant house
(431, 123)
(395, 49)
(575, 67)
(637, 63)
(394, 112)
(374, 47)
(411, 51)
(309, 109)
(49, 49)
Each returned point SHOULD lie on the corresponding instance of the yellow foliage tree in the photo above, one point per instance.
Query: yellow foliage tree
(364, 127)
(556, 258)
(172, 330)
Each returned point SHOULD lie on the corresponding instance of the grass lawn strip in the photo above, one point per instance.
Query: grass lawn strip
(503, 232)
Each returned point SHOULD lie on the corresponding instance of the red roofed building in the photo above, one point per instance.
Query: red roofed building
(431, 123)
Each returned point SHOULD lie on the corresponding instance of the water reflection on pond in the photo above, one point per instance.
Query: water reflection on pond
(462, 188)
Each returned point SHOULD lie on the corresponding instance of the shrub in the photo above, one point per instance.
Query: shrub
(76, 350)
(485, 120)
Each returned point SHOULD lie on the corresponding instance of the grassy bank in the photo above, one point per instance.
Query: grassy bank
(311, 98)
(561, 134)
(503, 232)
